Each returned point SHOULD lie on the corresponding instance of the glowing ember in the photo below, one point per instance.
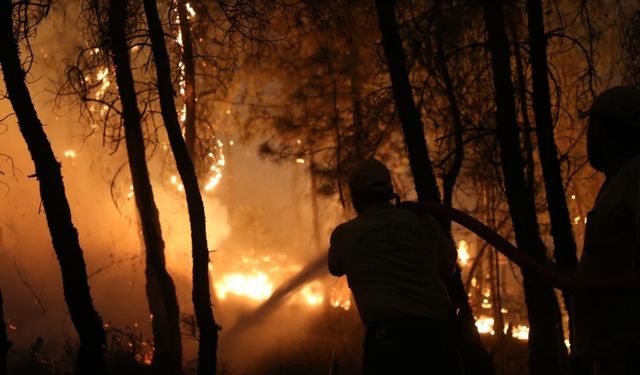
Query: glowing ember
(216, 169)
(312, 294)
(463, 253)
(300, 161)
(520, 332)
(341, 296)
(485, 325)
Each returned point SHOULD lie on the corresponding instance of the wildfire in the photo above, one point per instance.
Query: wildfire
(312, 293)
(256, 278)
(463, 253)
(217, 165)
(520, 332)
(256, 286)
(485, 325)
(216, 168)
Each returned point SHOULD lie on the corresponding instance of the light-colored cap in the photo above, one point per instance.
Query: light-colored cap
(370, 176)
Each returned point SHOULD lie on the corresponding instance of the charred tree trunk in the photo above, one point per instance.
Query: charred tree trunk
(64, 235)
(475, 357)
(547, 352)
(161, 292)
(190, 133)
(4, 340)
(563, 242)
(207, 327)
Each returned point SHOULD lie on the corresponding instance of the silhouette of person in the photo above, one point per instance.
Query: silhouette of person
(607, 323)
(394, 260)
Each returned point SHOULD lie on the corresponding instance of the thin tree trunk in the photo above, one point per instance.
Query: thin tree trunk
(547, 353)
(524, 111)
(161, 292)
(188, 63)
(423, 176)
(64, 235)
(475, 357)
(4, 341)
(355, 86)
(315, 211)
(564, 244)
(451, 176)
(207, 327)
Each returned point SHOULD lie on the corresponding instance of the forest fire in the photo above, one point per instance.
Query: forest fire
(261, 276)
(256, 286)
(199, 161)
(485, 325)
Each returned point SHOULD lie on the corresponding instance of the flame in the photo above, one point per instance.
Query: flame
(341, 296)
(520, 332)
(256, 286)
(312, 294)
(217, 166)
(463, 252)
(484, 324)
(255, 278)
(70, 153)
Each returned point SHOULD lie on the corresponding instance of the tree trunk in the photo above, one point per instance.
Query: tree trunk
(564, 245)
(423, 176)
(359, 142)
(161, 293)
(521, 85)
(4, 341)
(64, 235)
(315, 210)
(207, 327)
(188, 63)
(475, 357)
(547, 353)
(451, 176)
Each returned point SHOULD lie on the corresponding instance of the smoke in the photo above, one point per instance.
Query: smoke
(259, 210)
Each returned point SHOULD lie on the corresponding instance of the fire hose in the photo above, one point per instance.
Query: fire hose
(546, 271)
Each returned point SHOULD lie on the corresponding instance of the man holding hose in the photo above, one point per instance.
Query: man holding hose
(394, 260)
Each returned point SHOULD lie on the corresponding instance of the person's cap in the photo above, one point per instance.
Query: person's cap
(370, 175)
(616, 103)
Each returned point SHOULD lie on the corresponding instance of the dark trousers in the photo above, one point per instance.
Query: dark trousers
(414, 346)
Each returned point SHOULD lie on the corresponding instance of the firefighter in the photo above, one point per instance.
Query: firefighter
(395, 260)
(607, 323)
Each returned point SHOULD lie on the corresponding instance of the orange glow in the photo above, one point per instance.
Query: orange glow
(256, 286)
(463, 253)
